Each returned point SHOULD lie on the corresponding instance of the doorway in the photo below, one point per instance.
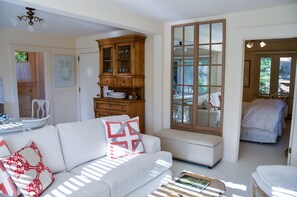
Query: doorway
(30, 79)
(280, 57)
(88, 78)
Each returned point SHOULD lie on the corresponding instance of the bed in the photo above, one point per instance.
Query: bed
(263, 120)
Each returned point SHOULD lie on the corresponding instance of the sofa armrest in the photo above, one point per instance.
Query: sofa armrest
(151, 143)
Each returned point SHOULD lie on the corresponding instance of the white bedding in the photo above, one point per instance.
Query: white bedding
(263, 120)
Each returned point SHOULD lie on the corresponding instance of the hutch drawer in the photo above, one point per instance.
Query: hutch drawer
(110, 106)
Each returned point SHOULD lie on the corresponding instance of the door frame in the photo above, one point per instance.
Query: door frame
(80, 66)
(292, 154)
(47, 69)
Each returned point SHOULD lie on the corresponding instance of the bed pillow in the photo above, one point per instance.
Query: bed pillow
(123, 138)
(27, 164)
(7, 185)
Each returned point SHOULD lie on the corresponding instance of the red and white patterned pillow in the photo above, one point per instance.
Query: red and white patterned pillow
(28, 171)
(7, 185)
(123, 137)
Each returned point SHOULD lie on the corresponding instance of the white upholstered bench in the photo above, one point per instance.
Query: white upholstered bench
(193, 147)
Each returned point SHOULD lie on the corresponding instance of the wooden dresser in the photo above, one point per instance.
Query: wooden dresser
(110, 106)
(122, 70)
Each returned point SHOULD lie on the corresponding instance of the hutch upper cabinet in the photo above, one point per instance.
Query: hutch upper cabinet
(122, 70)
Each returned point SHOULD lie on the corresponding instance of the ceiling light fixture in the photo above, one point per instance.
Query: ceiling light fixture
(30, 17)
(251, 43)
(262, 44)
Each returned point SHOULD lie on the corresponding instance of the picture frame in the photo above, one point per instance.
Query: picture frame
(64, 71)
(246, 73)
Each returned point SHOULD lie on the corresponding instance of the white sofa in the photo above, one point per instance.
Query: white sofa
(76, 154)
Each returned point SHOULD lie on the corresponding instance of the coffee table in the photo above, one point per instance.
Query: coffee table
(170, 189)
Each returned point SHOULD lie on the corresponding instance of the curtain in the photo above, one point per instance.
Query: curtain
(23, 71)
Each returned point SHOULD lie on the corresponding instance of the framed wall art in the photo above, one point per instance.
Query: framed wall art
(63, 71)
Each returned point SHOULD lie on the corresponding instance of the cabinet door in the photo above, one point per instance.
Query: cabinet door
(123, 54)
(107, 60)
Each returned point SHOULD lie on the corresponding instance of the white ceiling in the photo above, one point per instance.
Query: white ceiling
(158, 10)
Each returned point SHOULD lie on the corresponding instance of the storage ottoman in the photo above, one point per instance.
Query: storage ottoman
(193, 147)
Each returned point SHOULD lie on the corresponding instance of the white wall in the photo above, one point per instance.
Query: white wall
(11, 40)
(279, 22)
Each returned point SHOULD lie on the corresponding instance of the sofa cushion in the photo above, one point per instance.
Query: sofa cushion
(67, 184)
(28, 170)
(84, 141)
(138, 170)
(7, 185)
(46, 139)
(123, 137)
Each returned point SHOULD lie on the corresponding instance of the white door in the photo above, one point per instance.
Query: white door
(88, 78)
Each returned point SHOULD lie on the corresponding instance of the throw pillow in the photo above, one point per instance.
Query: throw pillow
(28, 170)
(123, 137)
(7, 185)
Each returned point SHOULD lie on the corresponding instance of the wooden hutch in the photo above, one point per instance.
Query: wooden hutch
(122, 70)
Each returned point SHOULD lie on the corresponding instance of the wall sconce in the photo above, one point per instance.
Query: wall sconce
(251, 43)
(30, 17)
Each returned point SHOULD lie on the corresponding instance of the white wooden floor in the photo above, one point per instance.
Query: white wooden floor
(237, 176)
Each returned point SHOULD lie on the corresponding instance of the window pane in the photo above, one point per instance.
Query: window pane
(188, 95)
(178, 53)
(177, 96)
(178, 36)
(203, 75)
(284, 75)
(189, 52)
(215, 95)
(203, 54)
(189, 75)
(189, 62)
(21, 57)
(204, 60)
(189, 35)
(217, 32)
(188, 111)
(177, 113)
(204, 32)
(177, 75)
(216, 75)
(203, 90)
(265, 73)
(216, 54)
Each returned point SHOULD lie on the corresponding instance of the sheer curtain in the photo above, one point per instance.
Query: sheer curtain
(23, 71)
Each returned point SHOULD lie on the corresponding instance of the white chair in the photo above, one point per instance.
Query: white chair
(42, 108)
(35, 123)
(275, 180)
